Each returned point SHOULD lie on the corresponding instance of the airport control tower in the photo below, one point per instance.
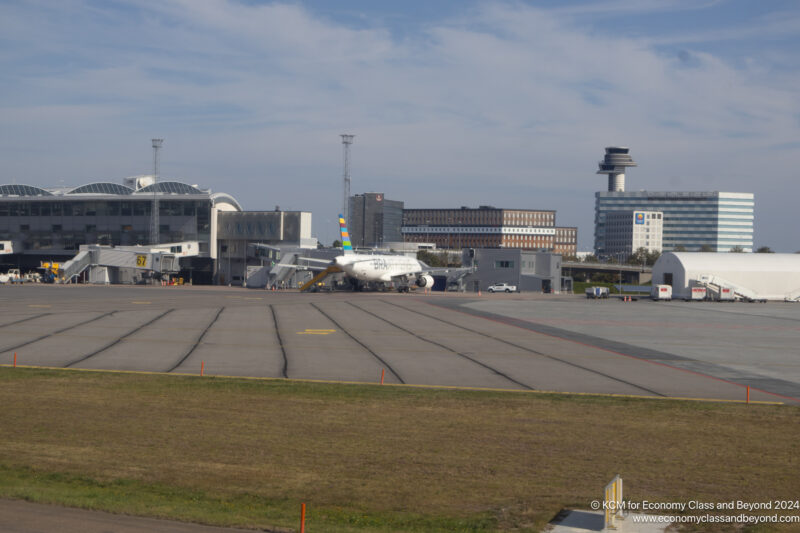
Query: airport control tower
(617, 158)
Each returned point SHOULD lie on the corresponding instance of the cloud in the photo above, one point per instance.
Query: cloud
(500, 99)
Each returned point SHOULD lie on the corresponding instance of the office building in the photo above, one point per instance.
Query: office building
(489, 227)
(374, 220)
(628, 231)
(693, 221)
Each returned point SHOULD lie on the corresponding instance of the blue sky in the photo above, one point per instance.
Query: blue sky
(452, 102)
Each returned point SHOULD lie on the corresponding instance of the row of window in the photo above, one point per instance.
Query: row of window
(110, 208)
(125, 238)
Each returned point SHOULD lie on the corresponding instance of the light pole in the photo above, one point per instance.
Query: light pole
(156, 228)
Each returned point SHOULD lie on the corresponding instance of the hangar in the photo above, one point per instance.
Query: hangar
(750, 276)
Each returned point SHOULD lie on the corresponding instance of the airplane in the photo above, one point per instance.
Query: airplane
(382, 268)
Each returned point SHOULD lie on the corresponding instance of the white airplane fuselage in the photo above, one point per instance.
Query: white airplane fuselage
(378, 267)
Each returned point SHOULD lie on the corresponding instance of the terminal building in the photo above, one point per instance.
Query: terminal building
(50, 224)
(693, 221)
(489, 227)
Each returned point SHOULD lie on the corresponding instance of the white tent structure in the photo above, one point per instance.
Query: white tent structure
(749, 276)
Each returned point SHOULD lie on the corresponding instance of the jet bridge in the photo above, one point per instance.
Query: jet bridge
(101, 258)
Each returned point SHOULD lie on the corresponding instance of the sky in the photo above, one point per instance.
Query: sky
(452, 103)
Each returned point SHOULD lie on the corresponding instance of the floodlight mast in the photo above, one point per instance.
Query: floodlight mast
(155, 227)
(347, 140)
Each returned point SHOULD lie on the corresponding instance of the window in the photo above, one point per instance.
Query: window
(56, 227)
(504, 264)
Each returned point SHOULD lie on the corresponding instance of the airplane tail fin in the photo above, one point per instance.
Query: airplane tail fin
(346, 246)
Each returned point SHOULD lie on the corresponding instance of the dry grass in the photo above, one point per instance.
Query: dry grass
(370, 458)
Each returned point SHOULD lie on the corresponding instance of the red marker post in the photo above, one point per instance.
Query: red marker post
(383, 373)
(202, 367)
(302, 518)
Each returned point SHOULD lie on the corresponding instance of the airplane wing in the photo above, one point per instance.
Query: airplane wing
(313, 264)
(441, 271)
(429, 272)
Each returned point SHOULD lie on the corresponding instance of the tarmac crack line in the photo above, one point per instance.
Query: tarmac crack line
(531, 350)
(198, 341)
(34, 317)
(465, 356)
(138, 328)
(285, 369)
(56, 332)
(375, 355)
(788, 390)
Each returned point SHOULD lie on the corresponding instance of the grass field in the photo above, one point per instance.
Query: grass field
(370, 458)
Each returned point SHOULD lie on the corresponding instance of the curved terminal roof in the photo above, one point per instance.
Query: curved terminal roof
(222, 200)
(22, 190)
(171, 187)
(102, 188)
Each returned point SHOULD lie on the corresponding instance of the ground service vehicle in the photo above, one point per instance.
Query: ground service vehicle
(502, 287)
(12, 276)
(661, 292)
(597, 292)
(697, 294)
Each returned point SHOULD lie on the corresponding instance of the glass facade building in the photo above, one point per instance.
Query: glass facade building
(51, 224)
(696, 221)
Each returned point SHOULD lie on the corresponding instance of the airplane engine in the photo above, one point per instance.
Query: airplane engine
(425, 281)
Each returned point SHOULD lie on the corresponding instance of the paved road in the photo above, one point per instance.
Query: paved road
(553, 343)
(23, 517)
